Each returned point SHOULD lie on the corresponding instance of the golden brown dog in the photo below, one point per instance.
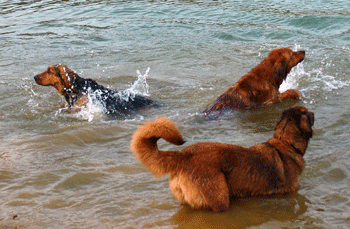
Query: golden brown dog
(206, 175)
(260, 86)
(76, 89)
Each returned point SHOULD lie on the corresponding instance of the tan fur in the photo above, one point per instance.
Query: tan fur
(59, 76)
(62, 78)
(260, 86)
(206, 175)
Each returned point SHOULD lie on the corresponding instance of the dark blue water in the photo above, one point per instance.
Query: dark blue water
(60, 169)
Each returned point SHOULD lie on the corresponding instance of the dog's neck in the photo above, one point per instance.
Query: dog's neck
(299, 143)
(271, 75)
(288, 152)
(79, 87)
(71, 97)
(72, 92)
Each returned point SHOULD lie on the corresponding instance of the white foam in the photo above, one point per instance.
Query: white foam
(325, 82)
(291, 82)
(94, 108)
(317, 79)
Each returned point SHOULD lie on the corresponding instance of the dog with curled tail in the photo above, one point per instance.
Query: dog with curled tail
(208, 175)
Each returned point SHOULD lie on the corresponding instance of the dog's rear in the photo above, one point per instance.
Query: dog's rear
(194, 179)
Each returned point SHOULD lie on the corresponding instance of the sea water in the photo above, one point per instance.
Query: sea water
(60, 169)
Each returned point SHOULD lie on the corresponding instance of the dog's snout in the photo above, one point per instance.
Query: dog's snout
(303, 52)
(35, 77)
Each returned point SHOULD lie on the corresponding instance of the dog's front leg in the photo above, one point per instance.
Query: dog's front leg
(289, 94)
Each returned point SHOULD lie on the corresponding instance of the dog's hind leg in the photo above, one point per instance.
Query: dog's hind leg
(187, 191)
(201, 193)
(176, 188)
(216, 193)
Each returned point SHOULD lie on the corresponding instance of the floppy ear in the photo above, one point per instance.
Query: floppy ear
(67, 77)
(306, 122)
(280, 125)
(65, 74)
(281, 68)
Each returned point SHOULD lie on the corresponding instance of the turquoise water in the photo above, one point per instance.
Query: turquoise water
(75, 170)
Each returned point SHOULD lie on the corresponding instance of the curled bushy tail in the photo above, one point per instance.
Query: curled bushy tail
(144, 145)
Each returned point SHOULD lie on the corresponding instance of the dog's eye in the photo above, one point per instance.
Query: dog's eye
(48, 71)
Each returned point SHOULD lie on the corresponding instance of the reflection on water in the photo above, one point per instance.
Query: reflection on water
(246, 213)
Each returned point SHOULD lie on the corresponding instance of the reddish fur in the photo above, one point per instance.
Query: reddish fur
(260, 86)
(206, 175)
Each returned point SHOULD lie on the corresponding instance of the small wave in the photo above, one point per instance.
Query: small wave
(317, 79)
(325, 82)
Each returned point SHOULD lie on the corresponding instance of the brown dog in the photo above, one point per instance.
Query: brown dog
(76, 90)
(206, 175)
(260, 86)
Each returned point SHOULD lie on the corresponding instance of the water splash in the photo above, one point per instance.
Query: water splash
(140, 86)
(296, 47)
(318, 80)
(314, 82)
(291, 82)
(92, 110)
(95, 106)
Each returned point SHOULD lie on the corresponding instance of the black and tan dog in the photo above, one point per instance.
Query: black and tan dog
(75, 90)
(207, 175)
(260, 86)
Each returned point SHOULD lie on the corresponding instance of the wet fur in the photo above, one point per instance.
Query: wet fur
(260, 86)
(207, 175)
(75, 90)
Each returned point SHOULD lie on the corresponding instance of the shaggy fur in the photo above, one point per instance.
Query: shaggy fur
(75, 90)
(260, 86)
(207, 175)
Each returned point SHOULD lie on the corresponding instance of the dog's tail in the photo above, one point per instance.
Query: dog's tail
(144, 145)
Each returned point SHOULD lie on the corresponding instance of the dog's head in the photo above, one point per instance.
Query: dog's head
(295, 125)
(58, 76)
(283, 60)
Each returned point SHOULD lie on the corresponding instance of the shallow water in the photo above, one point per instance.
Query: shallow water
(75, 170)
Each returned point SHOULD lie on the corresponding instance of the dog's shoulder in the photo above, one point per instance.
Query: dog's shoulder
(85, 84)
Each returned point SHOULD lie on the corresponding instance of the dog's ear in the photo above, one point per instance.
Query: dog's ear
(67, 76)
(280, 125)
(281, 68)
(306, 122)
